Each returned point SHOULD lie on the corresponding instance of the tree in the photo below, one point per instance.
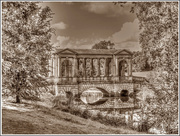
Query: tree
(158, 23)
(139, 62)
(26, 48)
(104, 45)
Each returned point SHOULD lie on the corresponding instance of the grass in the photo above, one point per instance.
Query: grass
(33, 118)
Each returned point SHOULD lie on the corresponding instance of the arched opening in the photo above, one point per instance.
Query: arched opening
(66, 68)
(123, 68)
(124, 95)
(94, 96)
(109, 66)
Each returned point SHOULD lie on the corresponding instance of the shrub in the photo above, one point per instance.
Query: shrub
(76, 110)
(144, 126)
(87, 114)
(60, 102)
(100, 117)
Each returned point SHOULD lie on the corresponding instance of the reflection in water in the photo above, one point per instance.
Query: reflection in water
(91, 95)
(118, 103)
(124, 96)
(98, 96)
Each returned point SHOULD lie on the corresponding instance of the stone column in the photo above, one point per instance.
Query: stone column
(92, 68)
(73, 63)
(99, 72)
(109, 67)
(56, 66)
(128, 64)
(105, 68)
(130, 67)
(77, 63)
(59, 62)
(84, 67)
(75, 67)
(114, 66)
(53, 66)
(50, 67)
(117, 67)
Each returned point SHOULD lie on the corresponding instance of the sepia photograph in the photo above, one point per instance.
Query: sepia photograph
(91, 67)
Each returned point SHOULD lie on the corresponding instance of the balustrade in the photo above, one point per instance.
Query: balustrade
(138, 79)
(104, 79)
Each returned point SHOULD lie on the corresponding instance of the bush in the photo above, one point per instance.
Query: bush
(100, 117)
(87, 114)
(143, 127)
(76, 111)
(60, 102)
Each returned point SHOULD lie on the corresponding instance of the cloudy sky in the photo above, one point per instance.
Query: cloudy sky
(82, 24)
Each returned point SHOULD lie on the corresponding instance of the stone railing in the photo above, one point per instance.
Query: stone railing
(138, 79)
(96, 79)
(100, 79)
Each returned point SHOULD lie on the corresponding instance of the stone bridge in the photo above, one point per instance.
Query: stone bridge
(109, 71)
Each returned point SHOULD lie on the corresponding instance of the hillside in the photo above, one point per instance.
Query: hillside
(35, 119)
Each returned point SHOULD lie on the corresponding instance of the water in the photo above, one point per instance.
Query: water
(95, 98)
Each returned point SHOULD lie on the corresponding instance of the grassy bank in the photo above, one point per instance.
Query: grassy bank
(33, 118)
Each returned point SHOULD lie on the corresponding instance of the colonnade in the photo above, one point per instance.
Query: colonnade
(86, 66)
(93, 67)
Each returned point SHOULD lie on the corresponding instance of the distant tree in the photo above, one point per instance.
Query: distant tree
(139, 62)
(26, 48)
(104, 45)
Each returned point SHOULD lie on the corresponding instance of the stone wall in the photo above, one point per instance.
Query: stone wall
(75, 89)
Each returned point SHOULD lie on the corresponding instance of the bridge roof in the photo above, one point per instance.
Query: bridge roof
(93, 51)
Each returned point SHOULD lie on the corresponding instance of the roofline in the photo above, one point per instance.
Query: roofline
(65, 50)
(123, 50)
(76, 53)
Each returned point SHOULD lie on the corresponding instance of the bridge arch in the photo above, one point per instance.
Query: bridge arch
(124, 95)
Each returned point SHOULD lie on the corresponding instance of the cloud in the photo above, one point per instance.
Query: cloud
(132, 46)
(107, 8)
(127, 37)
(60, 25)
(61, 41)
(129, 32)
(74, 43)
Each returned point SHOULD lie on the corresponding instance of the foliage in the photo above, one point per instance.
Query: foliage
(60, 102)
(139, 63)
(158, 23)
(159, 40)
(104, 45)
(26, 48)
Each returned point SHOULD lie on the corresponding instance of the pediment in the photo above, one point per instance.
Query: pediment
(67, 51)
(123, 52)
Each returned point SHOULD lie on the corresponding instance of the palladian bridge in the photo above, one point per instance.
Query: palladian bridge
(102, 78)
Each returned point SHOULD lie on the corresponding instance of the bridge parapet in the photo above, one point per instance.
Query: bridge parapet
(104, 79)
(138, 79)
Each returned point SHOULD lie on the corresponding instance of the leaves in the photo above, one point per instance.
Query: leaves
(158, 23)
(26, 47)
(104, 45)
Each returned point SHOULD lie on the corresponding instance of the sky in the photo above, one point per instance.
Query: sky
(83, 24)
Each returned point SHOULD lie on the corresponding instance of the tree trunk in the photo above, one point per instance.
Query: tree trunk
(18, 100)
